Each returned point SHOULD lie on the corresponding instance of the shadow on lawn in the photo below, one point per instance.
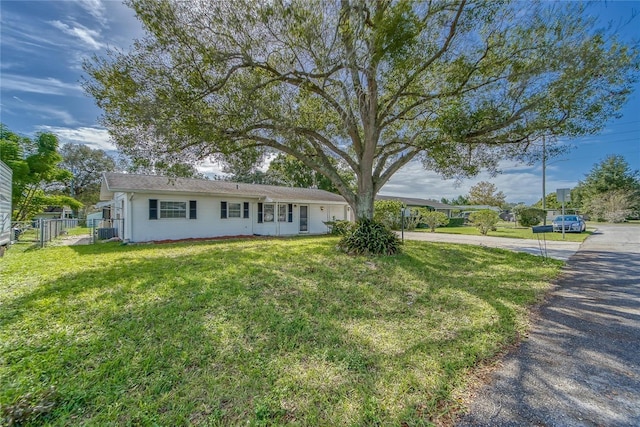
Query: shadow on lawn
(193, 338)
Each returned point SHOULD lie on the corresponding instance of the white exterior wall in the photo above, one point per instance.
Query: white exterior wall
(139, 228)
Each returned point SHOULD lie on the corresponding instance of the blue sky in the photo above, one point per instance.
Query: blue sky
(43, 44)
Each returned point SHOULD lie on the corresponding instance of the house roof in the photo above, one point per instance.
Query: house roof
(412, 201)
(477, 207)
(131, 183)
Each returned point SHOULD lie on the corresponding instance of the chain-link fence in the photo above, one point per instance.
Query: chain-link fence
(40, 231)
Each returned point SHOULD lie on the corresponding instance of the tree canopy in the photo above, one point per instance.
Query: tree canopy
(486, 193)
(86, 165)
(35, 165)
(458, 85)
(611, 190)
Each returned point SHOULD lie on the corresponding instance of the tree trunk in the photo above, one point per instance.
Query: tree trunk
(364, 204)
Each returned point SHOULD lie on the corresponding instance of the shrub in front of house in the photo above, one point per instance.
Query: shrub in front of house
(528, 217)
(484, 220)
(340, 227)
(434, 219)
(369, 237)
(456, 222)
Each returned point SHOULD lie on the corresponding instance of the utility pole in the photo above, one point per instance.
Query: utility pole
(544, 167)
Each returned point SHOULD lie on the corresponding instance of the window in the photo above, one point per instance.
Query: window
(234, 210)
(192, 209)
(268, 212)
(153, 209)
(173, 209)
(282, 213)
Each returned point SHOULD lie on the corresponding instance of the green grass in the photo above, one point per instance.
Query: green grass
(506, 229)
(76, 231)
(255, 332)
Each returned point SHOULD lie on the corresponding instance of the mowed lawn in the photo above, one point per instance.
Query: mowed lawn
(254, 332)
(507, 229)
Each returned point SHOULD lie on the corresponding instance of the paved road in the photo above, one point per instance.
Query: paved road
(558, 250)
(580, 365)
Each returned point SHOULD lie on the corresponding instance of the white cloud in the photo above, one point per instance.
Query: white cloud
(96, 138)
(96, 9)
(46, 86)
(84, 34)
(50, 112)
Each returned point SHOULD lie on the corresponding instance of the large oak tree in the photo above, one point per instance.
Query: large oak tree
(373, 85)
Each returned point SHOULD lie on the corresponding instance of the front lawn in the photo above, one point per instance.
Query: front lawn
(508, 229)
(254, 332)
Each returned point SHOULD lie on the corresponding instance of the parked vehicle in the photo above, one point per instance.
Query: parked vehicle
(572, 224)
(6, 176)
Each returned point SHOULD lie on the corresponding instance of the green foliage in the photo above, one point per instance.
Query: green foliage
(456, 222)
(370, 238)
(484, 220)
(612, 206)
(528, 216)
(609, 190)
(434, 219)
(29, 408)
(375, 85)
(388, 212)
(340, 228)
(35, 166)
(551, 202)
(456, 201)
(486, 193)
(288, 171)
(87, 166)
(148, 335)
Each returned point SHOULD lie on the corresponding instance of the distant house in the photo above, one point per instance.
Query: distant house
(55, 212)
(477, 208)
(413, 202)
(150, 208)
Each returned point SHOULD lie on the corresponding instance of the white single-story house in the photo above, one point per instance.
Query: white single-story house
(152, 208)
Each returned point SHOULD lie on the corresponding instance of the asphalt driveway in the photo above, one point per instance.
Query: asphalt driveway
(580, 364)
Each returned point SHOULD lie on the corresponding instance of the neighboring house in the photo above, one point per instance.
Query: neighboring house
(162, 208)
(476, 208)
(55, 212)
(412, 202)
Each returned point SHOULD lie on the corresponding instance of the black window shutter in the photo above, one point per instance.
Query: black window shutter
(259, 212)
(290, 212)
(192, 209)
(246, 209)
(153, 208)
(223, 210)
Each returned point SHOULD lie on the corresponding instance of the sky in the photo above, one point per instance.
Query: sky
(44, 43)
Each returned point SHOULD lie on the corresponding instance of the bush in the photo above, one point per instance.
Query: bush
(370, 238)
(485, 220)
(340, 227)
(528, 217)
(387, 212)
(434, 219)
(456, 222)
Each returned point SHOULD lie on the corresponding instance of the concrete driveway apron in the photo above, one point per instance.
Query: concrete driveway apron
(580, 364)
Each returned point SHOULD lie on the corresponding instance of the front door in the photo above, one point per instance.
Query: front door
(304, 218)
